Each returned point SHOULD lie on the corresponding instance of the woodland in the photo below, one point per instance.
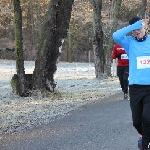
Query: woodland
(69, 30)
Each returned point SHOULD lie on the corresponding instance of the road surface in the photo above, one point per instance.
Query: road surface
(104, 125)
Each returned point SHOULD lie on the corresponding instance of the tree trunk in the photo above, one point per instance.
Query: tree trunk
(111, 42)
(69, 52)
(143, 10)
(54, 31)
(19, 48)
(98, 39)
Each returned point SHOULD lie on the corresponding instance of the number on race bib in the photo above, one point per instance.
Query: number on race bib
(143, 62)
(124, 56)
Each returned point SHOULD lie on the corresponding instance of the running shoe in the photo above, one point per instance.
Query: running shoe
(126, 96)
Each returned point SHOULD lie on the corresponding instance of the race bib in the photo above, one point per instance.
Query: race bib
(143, 62)
(124, 56)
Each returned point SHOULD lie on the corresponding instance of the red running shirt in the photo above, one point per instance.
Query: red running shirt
(123, 61)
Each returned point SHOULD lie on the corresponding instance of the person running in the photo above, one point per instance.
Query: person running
(122, 68)
(137, 47)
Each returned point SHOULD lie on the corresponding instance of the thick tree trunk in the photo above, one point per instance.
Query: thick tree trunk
(54, 31)
(98, 39)
(20, 89)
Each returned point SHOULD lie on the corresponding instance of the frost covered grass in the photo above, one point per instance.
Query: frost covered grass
(76, 86)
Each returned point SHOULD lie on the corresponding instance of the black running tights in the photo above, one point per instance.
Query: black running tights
(140, 107)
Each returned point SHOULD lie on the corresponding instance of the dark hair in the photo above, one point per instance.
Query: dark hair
(134, 19)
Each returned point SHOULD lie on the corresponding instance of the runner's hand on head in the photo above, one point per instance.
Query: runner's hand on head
(145, 22)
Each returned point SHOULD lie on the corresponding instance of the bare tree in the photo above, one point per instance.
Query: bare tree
(111, 42)
(19, 48)
(98, 39)
(54, 31)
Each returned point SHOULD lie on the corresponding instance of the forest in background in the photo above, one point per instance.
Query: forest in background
(79, 41)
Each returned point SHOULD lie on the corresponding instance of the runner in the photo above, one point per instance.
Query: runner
(137, 48)
(122, 68)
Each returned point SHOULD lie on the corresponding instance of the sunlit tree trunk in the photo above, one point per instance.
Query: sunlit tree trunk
(111, 42)
(98, 39)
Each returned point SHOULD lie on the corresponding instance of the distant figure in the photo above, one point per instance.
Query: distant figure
(122, 68)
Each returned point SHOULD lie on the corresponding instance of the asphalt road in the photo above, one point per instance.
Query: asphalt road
(105, 125)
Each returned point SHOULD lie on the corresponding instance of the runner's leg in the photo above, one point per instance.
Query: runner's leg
(136, 104)
(125, 78)
(120, 71)
(146, 119)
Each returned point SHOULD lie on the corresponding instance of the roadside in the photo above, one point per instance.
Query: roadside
(76, 84)
(101, 125)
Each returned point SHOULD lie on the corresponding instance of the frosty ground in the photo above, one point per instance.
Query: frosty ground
(76, 86)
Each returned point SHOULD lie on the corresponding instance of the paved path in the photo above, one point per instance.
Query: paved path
(102, 125)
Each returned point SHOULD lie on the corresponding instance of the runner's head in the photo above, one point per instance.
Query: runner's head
(139, 33)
